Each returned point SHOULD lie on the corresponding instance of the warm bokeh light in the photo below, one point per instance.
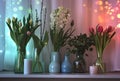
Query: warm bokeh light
(118, 26)
(106, 2)
(110, 13)
(100, 2)
(112, 17)
(106, 7)
(101, 8)
(84, 5)
(118, 15)
(100, 19)
(95, 10)
(112, 10)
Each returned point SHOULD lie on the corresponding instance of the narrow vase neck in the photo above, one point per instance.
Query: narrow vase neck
(66, 58)
(55, 56)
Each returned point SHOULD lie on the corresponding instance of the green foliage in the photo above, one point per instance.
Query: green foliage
(38, 43)
(60, 38)
(80, 43)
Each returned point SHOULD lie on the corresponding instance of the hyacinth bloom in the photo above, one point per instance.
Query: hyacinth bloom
(102, 38)
(61, 27)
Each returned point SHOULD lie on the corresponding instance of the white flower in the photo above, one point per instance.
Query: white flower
(60, 18)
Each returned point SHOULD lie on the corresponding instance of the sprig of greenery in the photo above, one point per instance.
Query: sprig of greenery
(80, 43)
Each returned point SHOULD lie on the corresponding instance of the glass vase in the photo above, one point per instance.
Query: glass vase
(19, 61)
(79, 65)
(100, 65)
(37, 65)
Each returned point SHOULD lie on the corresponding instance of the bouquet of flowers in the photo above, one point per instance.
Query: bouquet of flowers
(21, 32)
(61, 27)
(102, 38)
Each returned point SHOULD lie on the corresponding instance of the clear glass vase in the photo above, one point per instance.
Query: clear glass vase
(79, 65)
(100, 64)
(19, 61)
(37, 65)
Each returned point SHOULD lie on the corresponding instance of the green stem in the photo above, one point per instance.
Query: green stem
(99, 63)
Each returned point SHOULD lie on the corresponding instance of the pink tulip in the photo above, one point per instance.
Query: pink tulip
(91, 29)
(100, 29)
(28, 33)
(110, 29)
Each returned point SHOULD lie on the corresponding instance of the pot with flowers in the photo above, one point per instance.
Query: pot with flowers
(60, 31)
(102, 38)
(21, 32)
(78, 45)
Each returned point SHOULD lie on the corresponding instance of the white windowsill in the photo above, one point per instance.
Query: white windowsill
(115, 75)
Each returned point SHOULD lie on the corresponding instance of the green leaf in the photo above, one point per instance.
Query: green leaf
(46, 38)
(9, 27)
(36, 41)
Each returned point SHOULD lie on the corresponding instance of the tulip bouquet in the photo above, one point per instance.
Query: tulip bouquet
(102, 38)
(21, 33)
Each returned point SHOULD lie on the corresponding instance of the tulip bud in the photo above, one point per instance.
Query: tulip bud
(30, 21)
(91, 30)
(100, 29)
(20, 24)
(28, 33)
(8, 21)
(110, 29)
(13, 19)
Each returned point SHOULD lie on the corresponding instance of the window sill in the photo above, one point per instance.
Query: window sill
(114, 75)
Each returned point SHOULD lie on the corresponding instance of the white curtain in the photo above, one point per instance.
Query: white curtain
(86, 13)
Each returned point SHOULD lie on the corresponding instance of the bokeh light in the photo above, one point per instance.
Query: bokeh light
(100, 2)
(100, 18)
(20, 8)
(112, 17)
(15, 9)
(118, 25)
(118, 15)
(101, 8)
(37, 2)
(84, 5)
(106, 2)
(95, 10)
(15, 15)
(18, 3)
(20, 0)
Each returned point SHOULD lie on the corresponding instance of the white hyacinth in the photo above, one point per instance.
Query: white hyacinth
(60, 18)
